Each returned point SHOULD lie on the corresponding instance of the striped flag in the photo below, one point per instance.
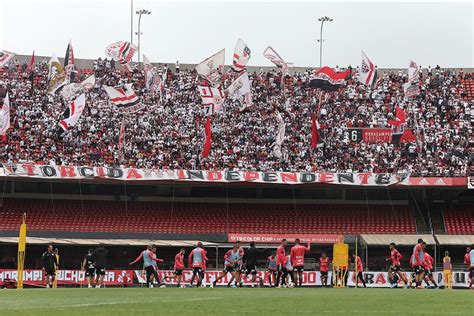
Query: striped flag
(5, 115)
(124, 98)
(73, 113)
(367, 71)
(241, 56)
(212, 98)
(208, 138)
(122, 52)
(5, 57)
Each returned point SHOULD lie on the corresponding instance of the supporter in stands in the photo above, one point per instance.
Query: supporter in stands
(168, 134)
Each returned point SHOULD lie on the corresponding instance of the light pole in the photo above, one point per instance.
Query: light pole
(140, 13)
(322, 20)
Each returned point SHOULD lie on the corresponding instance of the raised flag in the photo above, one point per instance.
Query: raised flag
(314, 131)
(208, 138)
(241, 88)
(153, 80)
(241, 56)
(413, 72)
(69, 58)
(122, 52)
(73, 112)
(212, 68)
(279, 137)
(32, 62)
(212, 98)
(5, 57)
(89, 82)
(124, 98)
(400, 117)
(121, 139)
(5, 115)
(367, 71)
(56, 75)
(327, 79)
(273, 56)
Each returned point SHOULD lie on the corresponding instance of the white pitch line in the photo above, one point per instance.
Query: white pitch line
(126, 302)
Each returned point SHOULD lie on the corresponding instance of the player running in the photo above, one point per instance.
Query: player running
(360, 269)
(297, 260)
(272, 268)
(231, 259)
(49, 263)
(395, 266)
(197, 261)
(89, 268)
(281, 269)
(324, 268)
(417, 260)
(428, 266)
(149, 260)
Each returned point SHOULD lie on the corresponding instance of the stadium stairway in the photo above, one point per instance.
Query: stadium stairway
(437, 218)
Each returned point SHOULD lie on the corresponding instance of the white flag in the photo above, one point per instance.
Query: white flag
(56, 76)
(73, 112)
(279, 137)
(212, 98)
(5, 115)
(212, 68)
(273, 56)
(241, 88)
(89, 82)
(241, 56)
(124, 98)
(5, 57)
(367, 71)
(413, 71)
(122, 52)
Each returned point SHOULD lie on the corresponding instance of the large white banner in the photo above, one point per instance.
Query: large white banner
(134, 174)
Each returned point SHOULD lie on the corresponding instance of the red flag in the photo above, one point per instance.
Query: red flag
(400, 117)
(32, 62)
(314, 131)
(208, 134)
(121, 136)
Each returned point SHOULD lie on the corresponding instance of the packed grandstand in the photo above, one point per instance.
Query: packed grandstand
(168, 132)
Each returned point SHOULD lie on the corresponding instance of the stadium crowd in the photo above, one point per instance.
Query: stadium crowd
(168, 132)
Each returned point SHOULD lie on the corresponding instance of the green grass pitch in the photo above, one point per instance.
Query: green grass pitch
(246, 301)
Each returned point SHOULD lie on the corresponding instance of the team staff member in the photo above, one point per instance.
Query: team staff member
(250, 261)
(99, 262)
(324, 268)
(88, 266)
(297, 261)
(50, 262)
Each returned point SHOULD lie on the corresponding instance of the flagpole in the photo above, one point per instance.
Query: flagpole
(131, 21)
